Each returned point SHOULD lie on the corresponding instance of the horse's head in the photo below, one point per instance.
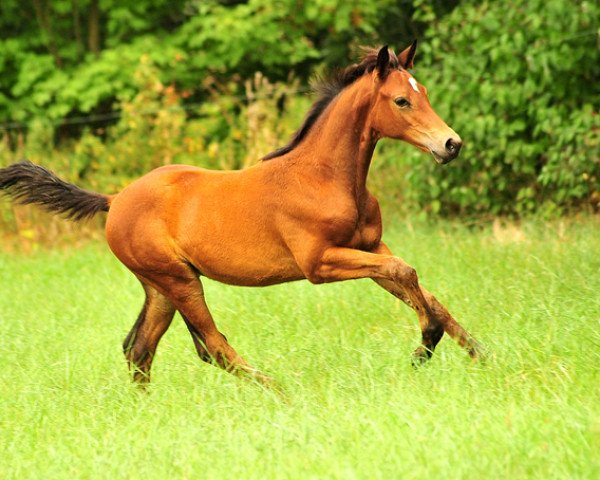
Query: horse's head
(401, 109)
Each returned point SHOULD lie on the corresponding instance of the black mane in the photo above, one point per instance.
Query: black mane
(328, 89)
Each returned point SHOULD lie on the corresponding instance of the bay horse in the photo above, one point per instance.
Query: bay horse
(303, 212)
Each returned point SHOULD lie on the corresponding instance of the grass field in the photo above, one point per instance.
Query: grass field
(353, 406)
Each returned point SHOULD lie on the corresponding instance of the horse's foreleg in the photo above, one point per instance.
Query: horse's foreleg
(141, 342)
(400, 279)
(453, 328)
(392, 273)
(430, 326)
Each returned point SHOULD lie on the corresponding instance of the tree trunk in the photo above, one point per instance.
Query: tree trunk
(94, 28)
(42, 14)
(77, 29)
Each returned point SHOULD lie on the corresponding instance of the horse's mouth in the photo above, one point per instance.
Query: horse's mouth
(442, 159)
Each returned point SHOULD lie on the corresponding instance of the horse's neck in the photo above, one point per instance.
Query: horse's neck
(341, 143)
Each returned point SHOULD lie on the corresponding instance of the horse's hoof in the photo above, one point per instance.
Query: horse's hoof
(267, 383)
(264, 380)
(255, 375)
(476, 351)
(140, 378)
(420, 357)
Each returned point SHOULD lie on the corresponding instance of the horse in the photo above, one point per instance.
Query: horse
(302, 212)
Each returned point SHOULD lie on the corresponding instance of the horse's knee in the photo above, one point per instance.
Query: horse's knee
(315, 278)
(316, 273)
(404, 273)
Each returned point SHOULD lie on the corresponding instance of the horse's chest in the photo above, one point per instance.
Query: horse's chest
(366, 237)
(358, 229)
(357, 234)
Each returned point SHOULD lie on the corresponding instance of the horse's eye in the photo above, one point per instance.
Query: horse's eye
(402, 102)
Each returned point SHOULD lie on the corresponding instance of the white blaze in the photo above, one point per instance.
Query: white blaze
(413, 83)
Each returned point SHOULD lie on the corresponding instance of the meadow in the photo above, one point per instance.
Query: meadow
(352, 405)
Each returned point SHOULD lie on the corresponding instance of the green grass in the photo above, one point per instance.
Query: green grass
(353, 406)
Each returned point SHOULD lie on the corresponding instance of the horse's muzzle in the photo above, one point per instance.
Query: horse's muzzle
(451, 150)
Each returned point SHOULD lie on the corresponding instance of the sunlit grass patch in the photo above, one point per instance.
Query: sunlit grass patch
(351, 407)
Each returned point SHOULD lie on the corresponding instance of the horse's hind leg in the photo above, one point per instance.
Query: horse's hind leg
(141, 342)
(199, 341)
(185, 291)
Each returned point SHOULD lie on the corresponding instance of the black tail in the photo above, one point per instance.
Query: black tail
(26, 182)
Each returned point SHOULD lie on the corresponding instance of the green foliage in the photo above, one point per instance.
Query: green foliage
(519, 85)
(54, 66)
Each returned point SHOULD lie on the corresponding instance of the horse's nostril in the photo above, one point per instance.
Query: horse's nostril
(453, 147)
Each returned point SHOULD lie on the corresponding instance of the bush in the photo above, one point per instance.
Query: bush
(517, 83)
(214, 86)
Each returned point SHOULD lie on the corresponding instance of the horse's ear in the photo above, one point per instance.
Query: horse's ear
(383, 62)
(407, 56)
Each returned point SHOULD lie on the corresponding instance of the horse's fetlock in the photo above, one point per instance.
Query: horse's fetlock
(432, 333)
